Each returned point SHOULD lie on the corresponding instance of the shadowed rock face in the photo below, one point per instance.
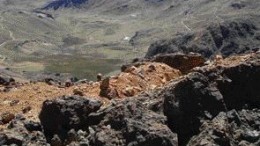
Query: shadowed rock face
(230, 128)
(68, 112)
(129, 122)
(228, 38)
(64, 3)
(192, 99)
(23, 132)
(204, 94)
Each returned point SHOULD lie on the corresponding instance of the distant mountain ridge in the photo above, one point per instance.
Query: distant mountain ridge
(64, 4)
(103, 4)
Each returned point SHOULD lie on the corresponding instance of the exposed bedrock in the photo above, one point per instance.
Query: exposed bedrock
(231, 37)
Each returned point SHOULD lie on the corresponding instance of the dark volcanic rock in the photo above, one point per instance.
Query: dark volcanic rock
(202, 96)
(228, 38)
(130, 122)
(188, 102)
(74, 120)
(244, 86)
(17, 134)
(32, 126)
(199, 96)
(50, 81)
(65, 113)
(230, 129)
(239, 84)
(212, 105)
(7, 81)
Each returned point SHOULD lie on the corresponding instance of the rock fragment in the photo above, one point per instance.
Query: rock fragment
(6, 117)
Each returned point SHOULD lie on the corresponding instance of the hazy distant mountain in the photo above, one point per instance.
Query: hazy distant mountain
(106, 5)
(64, 3)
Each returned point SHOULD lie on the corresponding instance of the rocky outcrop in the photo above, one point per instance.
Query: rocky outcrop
(203, 94)
(217, 104)
(65, 113)
(230, 37)
(132, 123)
(188, 102)
(238, 128)
(135, 78)
(6, 81)
(22, 132)
(238, 82)
(196, 109)
(183, 62)
(128, 122)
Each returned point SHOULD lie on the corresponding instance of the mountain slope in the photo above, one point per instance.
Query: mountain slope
(64, 4)
(227, 38)
(108, 30)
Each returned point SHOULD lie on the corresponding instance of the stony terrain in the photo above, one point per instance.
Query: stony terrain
(214, 103)
(17, 96)
(38, 40)
(198, 84)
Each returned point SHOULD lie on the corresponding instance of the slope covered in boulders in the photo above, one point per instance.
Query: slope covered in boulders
(215, 103)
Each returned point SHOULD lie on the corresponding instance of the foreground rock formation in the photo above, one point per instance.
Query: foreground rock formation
(215, 104)
(28, 97)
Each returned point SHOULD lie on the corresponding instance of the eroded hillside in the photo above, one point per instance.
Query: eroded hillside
(31, 38)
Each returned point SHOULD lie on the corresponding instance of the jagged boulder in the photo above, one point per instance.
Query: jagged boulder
(238, 82)
(188, 102)
(74, 120)
(180, 61)
(130, 122)
(68, 112)
(21, 132)
(234, 128)
(203, 94)
(4, 81)
(243, 86)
